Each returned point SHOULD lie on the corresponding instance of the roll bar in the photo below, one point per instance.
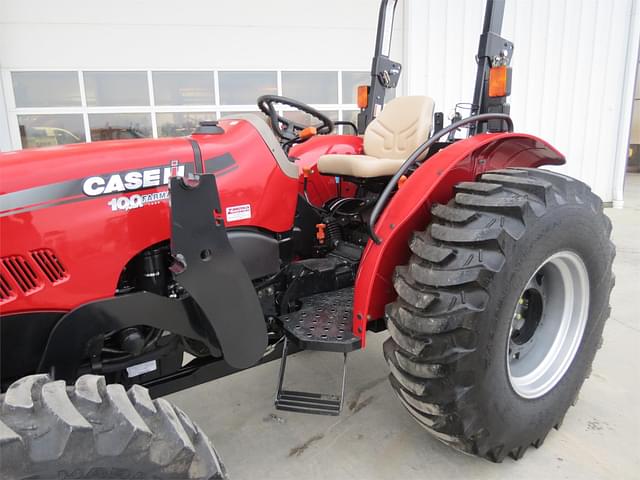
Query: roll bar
(493, 50)
(385, 73)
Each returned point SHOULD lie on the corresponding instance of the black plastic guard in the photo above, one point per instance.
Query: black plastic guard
(214, 276)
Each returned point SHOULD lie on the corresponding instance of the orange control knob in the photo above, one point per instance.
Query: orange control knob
(320, 233)
(308, 133)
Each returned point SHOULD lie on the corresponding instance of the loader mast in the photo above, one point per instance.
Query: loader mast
(494, 52)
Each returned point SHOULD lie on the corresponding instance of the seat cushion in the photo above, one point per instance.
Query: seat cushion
(362, 166)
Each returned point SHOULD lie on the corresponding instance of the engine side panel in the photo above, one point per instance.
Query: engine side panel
(409, 209)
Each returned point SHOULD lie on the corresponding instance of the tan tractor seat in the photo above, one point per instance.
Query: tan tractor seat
(403, 125)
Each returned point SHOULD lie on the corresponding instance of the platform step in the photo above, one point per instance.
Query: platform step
(306, 402)
(325, 322)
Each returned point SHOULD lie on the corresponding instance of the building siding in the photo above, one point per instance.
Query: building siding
(569, 68)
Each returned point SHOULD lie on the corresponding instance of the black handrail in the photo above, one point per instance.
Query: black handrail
(413, 158)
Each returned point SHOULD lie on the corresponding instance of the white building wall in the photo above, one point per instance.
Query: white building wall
(186, 34)
(570, 70)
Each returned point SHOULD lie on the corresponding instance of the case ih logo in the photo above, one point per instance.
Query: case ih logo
(130, 181)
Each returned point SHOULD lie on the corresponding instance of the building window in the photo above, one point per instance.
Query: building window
(116, 89)
(311, 87)
(46, 89)
(244, 88)
(180, 124)
(55, 108)
(50, 130)
(119, 126)
(183, 88)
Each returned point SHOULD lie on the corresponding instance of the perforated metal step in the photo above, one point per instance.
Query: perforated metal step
(324, 322)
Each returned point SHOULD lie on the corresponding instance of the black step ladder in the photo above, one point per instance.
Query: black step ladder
(324, 323)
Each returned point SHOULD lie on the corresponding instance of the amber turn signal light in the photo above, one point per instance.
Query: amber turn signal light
(363, 96)
(499, 81)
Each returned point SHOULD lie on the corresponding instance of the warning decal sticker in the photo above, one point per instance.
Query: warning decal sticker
(239, 212)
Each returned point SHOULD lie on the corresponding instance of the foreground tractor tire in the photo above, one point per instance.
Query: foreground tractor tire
(500, 310)
(93, 430)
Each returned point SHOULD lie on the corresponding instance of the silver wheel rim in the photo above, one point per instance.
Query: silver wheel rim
(548, 324)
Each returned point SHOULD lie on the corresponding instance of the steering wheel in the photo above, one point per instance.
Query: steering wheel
(286, 129)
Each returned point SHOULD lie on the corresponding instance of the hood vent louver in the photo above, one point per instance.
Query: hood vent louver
(6, 292)
(22, 273)
(50, 265)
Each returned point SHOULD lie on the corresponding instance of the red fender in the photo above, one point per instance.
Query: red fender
(409, 209)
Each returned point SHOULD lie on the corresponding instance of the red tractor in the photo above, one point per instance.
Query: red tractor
(252, 239)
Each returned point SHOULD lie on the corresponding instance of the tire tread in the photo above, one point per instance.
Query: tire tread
(99, 429)
(432, 323)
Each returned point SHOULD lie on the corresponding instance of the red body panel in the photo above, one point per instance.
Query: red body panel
(321, 188)
(255, 179)
(93, 241)
(90, 240)
(409, 209)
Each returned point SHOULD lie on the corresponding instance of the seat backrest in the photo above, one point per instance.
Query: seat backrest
(403, 124)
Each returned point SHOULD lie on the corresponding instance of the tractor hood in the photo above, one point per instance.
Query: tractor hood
(37, 176)
(243, 160)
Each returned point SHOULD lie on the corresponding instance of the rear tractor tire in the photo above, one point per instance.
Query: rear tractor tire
(500, 310)
(93, 430)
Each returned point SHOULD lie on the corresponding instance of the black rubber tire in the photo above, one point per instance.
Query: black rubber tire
(94, 430)
(450, 323)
